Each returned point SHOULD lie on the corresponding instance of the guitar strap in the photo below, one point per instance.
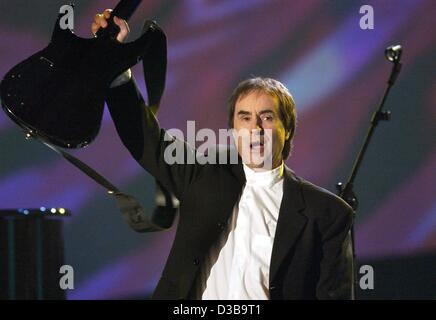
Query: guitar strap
(166, 204)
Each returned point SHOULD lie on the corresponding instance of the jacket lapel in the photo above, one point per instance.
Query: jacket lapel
(230, 187)
(291, 221)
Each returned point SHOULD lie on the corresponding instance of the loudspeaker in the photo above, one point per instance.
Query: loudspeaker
(31, 253)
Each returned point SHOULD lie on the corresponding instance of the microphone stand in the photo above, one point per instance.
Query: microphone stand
(393, 54)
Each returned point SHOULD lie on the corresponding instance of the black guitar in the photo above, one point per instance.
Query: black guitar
(58, 93)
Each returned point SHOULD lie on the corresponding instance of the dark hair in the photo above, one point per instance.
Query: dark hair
(275, 88)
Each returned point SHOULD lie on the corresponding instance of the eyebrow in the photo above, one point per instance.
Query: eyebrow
(243, 112)
(266, 111)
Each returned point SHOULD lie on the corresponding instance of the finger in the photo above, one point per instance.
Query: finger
(94, 28)
(124, 28)
(107, 13)
(100, 20)
(122, 24)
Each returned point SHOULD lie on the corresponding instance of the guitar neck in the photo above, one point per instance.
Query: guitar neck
(125, 8)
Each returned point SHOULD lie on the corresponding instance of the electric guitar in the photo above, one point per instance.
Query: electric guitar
(58, 93)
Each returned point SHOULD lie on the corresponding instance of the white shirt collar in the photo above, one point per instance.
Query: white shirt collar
(263, 178)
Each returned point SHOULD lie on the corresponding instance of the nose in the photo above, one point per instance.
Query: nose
(258, 122)
(259, 125)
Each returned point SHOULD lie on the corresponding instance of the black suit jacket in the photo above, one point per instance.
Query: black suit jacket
(311, 256)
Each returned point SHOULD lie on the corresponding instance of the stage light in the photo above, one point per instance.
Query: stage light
(53, 210)
(42, 209)
(61, 210)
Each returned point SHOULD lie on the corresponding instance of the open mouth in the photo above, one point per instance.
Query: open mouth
(257, 145)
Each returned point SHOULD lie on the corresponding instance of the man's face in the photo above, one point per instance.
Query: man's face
(260, 132)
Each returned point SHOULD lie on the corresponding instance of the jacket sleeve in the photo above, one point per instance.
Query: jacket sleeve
(152, 147)
(336, 271)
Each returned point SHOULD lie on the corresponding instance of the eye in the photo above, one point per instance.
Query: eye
(268, 117)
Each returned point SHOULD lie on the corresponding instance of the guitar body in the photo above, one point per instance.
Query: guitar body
(58, 93)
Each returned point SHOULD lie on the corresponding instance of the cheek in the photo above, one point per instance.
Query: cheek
(278, 137)
(242, 124)
(241, 137)
(237, 124)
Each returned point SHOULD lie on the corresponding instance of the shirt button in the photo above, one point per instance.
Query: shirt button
(196, 262)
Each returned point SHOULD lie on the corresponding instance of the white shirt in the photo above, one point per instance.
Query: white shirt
(239, 263)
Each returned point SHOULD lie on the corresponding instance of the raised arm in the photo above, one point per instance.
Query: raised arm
(139, 129)
(140, 132)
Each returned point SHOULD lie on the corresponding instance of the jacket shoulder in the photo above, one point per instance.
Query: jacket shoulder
(323, 204)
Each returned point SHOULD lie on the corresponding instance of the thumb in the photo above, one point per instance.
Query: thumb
(124, 28)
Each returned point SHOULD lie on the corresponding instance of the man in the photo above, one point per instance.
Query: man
(246, 230)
